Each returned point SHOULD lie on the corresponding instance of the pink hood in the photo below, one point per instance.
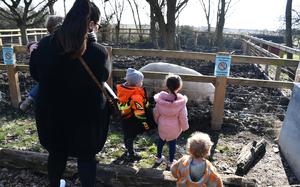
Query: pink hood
(171, 117)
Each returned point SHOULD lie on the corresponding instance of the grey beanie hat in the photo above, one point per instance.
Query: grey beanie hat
(133, 76)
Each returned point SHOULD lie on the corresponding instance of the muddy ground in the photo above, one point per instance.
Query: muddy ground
(251, 113)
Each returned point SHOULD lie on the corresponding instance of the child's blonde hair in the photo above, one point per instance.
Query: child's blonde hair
(173, 83)
(199, 144)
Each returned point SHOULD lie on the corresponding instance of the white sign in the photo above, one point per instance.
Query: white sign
(8, 55)
(222, 65)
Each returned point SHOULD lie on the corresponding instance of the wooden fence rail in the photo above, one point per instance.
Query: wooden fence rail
(219, 82)
(258, 46)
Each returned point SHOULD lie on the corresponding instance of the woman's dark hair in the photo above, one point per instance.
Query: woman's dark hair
(95, 13)
(73, 32)
(173, 83)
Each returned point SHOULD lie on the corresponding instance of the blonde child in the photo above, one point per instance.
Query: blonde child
(194, 169)
(133, 101)
(170, 113)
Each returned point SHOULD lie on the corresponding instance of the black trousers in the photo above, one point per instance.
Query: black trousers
(86, 168)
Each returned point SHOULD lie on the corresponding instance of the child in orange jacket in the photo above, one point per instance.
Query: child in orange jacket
(132, 104)
(194, 169)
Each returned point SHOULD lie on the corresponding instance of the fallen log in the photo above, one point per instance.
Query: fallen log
(249, 156)
(107, 174)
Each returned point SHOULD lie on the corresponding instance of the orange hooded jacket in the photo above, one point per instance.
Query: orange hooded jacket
(132, 102)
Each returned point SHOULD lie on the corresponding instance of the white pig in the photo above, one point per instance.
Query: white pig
(195, 91)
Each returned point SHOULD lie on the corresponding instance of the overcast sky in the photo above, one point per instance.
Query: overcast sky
(244, 14)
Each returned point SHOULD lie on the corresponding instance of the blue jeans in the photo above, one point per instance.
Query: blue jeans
(172, 148)
(34, 91)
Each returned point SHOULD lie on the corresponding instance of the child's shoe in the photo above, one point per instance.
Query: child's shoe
(159, 160)
(62, 183)
(133, 156)
(26, 104)
(170, 164)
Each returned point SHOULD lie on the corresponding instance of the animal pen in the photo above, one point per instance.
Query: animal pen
(219, 82)
(251, 46)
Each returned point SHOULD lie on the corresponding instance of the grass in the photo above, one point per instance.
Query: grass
(20, 134)
(223, 149)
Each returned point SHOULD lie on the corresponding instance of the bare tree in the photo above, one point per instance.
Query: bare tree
(223, 7)
(65, 9)
(25, 14)
(206, 8)
(135, 13)
(288, 26)
(117, 7)
(167, 28)
(51, 6)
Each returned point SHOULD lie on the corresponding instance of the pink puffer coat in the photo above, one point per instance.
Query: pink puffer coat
(171, 117)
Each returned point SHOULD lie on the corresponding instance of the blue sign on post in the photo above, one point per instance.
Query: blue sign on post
(222, 65)
(8, 55)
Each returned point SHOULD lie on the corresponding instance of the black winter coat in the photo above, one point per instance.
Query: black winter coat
(71, 113)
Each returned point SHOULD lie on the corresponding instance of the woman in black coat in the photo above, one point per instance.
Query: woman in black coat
(72, 114)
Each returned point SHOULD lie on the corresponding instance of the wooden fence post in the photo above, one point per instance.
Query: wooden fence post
(195, 39)
(20, 38)
(267, 66)
(218, 106)
(1, 43)
(245, 47)
(14, 88)
(9, 58)
(278, 68)
(109, 58)
(129, 35)
(297, 74)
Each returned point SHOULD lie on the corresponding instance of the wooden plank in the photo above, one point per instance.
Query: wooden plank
(297, 75)
(262, 50)
(108, 174)
(264, 60)
(278, 68)
(239, 59)
(120, 73)
(278, 46)
(14, 89)
(249, 156)
(20, 49)
(3, 66)
(109, 58)
(164, 53)
(17, 49)
(218, 106)
(260, 83)
(22, 68)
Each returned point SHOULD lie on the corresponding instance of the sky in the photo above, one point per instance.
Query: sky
(244, 14)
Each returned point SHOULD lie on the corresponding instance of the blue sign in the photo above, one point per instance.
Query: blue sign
(222, 65)
(8, 55)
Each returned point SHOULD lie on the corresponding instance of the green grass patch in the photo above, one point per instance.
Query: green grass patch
(21, 135)
(115, 138)
(223, 149)
(295, 57)
(144, 141)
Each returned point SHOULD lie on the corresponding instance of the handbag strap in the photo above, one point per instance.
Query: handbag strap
(99, 85)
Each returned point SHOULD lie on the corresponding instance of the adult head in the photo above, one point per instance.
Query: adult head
(53, 22)
(82, 17)
(94, 24)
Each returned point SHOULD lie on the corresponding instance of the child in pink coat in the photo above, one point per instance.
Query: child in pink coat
(170, 113)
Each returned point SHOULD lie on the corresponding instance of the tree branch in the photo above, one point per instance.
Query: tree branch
(37, 5)
(180, 5)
